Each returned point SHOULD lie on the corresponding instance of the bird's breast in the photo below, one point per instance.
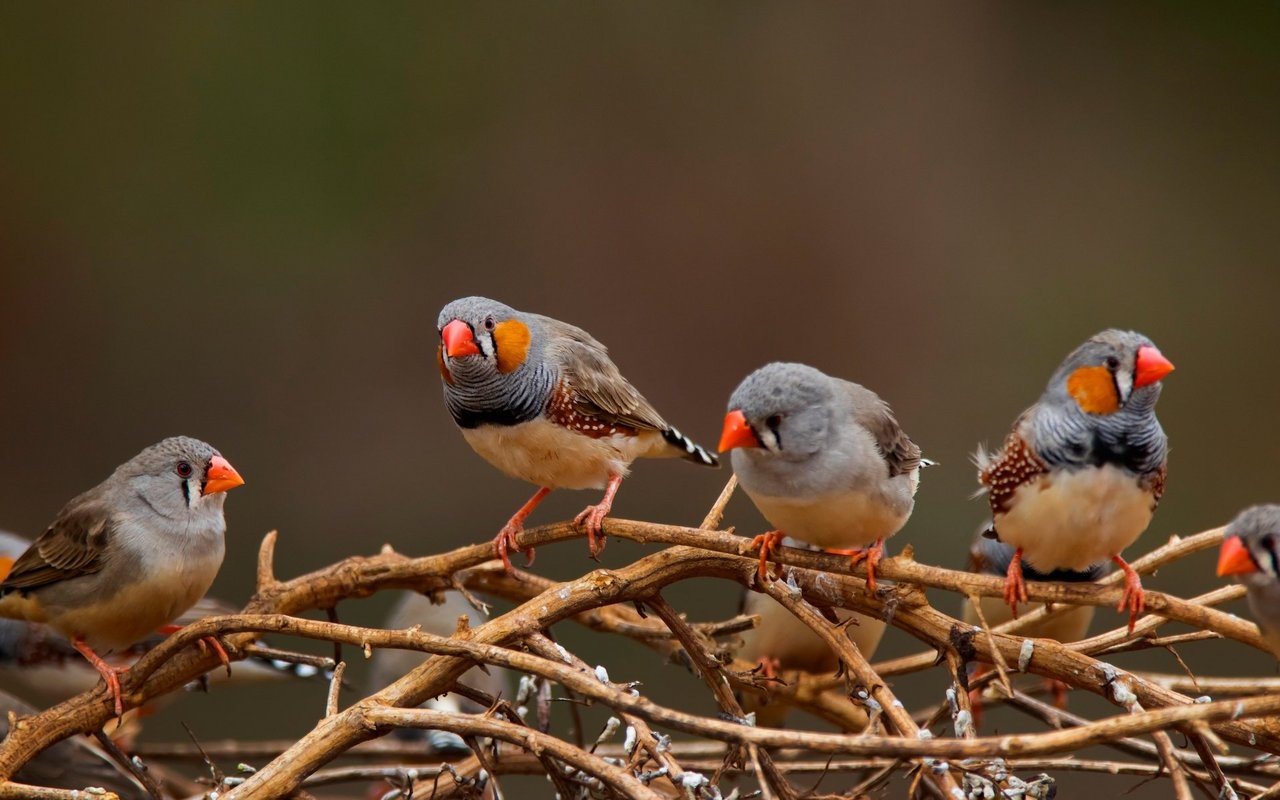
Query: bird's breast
(1074, 519)
(547, 454)
(852, 518)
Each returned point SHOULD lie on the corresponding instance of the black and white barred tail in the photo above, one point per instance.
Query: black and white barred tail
(692, 451)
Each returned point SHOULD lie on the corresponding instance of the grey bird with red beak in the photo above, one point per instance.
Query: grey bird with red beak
(1080, 476)
(130, 555)
(540, 400)
(823, 459)
(1251, 552)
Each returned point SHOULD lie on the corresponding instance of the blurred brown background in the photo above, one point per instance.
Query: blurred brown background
(239, 222)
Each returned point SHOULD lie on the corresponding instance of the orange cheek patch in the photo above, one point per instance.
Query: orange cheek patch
(511, 341)
(6, 564)
(444, 371)
(1094, 390)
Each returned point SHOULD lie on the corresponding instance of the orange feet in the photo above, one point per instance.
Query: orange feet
(1015, 589)
(506, 538)
(770, 667)
(1132, 599)
(592, 517)
(767, 542)
(871, 554)
(1059, 690)
(110, 675)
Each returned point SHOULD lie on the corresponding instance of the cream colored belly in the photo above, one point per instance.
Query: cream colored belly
(547, 454)
(134, 613)
(1076, 519)
(851, 519)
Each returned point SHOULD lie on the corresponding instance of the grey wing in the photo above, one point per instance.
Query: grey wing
(874, 414)
(599, 388)
(74, 545)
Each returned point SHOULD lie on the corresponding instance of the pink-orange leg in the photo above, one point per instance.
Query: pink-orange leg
(1133, 598)
(205, 641)
(871, 554)
(592, 517)
(110, 675)
(767, 542)
(506, 538)
(1059, 690)
(1015, 588)
(976, 704)
(770, 667)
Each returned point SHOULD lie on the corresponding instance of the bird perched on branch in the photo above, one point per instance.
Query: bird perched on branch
(39, 664)
(989, 557)
(781, 642)
(1251, 552)
(823, 459)
(541, 401)
(127, 557)
(1080, 475)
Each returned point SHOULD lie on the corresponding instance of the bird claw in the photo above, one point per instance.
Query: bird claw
(767, 543)
(1015, 588)
(592, 519)
(1134, 599)
(207, 643)
(507, 540)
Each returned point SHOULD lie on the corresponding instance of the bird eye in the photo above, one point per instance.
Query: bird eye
(183, 469)
(1113, 363)
(489, 324)
(773, 422)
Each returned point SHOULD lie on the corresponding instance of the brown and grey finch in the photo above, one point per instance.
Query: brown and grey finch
(823, 459)
(540, 400)
(1251, 552)
(1080, 475)
(130, 555)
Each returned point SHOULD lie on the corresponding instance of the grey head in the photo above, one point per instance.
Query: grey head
(1251, 552)
(783, 411)
(493, 360)
(179, 478)
(1099, 406)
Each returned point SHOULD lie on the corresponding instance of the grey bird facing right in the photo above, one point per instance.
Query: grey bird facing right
(1251, 552)
(1079, 477)
(128, 556)
(824, 460)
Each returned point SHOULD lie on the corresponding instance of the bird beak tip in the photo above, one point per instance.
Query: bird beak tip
(1234, 558)
(221, 476)
(737, 432)
(1151, 366)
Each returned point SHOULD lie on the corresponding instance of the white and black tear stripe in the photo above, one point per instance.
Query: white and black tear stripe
(693, 451)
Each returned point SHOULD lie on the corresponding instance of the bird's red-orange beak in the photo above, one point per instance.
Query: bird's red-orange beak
(737, 433)
(221, 476)
(458, 340)
(1234, 558)
(1151, 366)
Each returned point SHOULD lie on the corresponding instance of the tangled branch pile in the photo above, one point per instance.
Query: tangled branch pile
(665, 752)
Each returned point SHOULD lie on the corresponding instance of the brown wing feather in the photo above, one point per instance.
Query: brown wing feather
(1005, 472)
(599, 389)
(72, 546)
(874, 414)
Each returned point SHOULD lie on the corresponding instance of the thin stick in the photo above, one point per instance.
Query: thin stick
(335, 687)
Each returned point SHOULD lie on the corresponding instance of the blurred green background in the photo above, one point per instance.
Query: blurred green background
(238, 221)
